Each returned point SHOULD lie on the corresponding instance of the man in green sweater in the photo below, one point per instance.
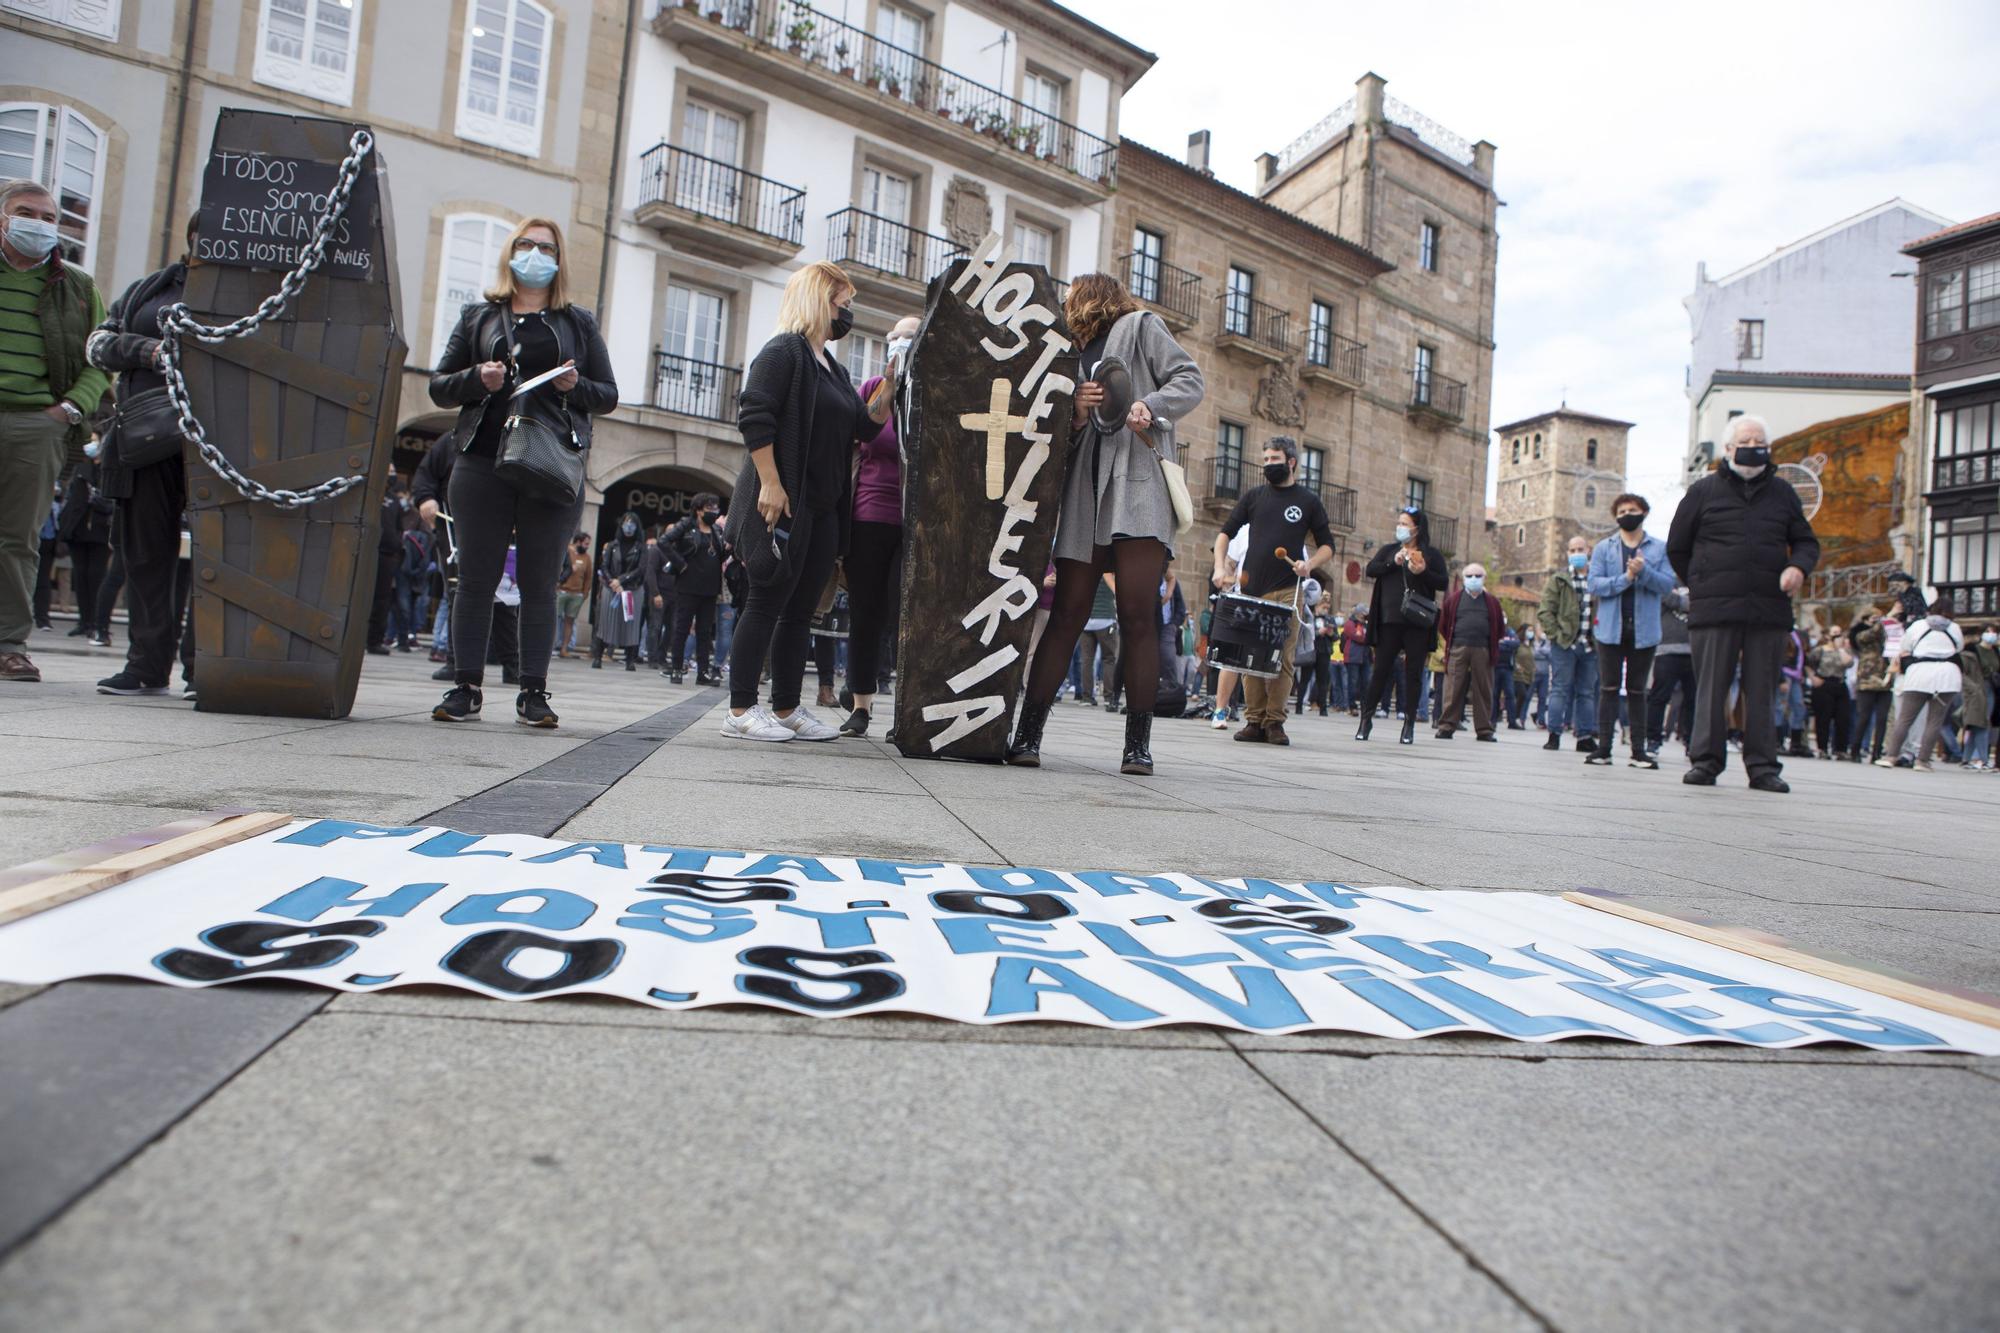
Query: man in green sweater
(47, 390)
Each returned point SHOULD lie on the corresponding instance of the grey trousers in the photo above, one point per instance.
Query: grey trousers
(1719, 650)
(1468, 670)
(1908, 704)
(31, 457)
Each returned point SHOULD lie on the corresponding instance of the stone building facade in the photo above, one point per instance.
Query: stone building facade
(1557, 476)
(1306, 323)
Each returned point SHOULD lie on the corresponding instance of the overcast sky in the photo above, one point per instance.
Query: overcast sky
(1632, 143)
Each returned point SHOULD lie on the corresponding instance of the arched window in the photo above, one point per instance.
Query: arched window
(504, 82)
(1590, 497)
(1590, 451)
(1517, 449)
(1538, 446)
(1520, 536)
(65, 152)
(467, 264)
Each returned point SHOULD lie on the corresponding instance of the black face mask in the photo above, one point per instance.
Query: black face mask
(843, 323)
(1277, 473)
(1753, 455)
(1631, 522)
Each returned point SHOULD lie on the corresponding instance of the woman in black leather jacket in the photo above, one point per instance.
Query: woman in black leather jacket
(525, 327)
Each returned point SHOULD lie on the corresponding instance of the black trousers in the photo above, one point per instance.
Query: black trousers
(1871, 722)
(1829, 713)
(1671, 672)
(385, 597)
(1637, 664)
(826, 660)
(873, 600)
(1414, 642)
(45, 579)
(692, 611)
(107, 592)
(86, 571)
(490, 515)
(778, 621)
(1719, 652)
(156, 588)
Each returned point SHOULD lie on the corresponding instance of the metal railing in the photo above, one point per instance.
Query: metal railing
(852, 52)
(695, 388)
(1247, 317)
(1851, 583)
(715, 189)
(1160, 283)
(872, 242)
(1341, 355)
(1438, 393)
(1224, 480)
(1444, 532)
(1339, 502)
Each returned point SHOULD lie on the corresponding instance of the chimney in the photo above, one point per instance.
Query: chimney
(1267, 169)
(1368, 98)
(1482, 159)
(1197, 153)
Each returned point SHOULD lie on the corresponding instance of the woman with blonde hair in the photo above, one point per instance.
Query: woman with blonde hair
(524, 328)
(1117, 517)
(801, 420)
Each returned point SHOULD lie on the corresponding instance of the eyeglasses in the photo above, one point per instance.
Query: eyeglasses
(524, 245)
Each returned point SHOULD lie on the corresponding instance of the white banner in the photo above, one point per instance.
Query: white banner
(364, 907)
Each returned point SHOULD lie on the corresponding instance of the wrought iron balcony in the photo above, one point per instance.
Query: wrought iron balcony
(1221, 482)
(1256, 327)
(695, 388)
(1331, 356)
(890, 249)
(1438, 394)
(674, 178)
(1339, 502)
(1174, 292)
(852, 65)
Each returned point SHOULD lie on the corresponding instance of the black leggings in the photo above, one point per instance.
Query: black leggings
(778, 621)
(691, 612)
(1138, 564)
(87, 561)
(1414, 642)
(1638, 664)
(489, 515)
(872, 599)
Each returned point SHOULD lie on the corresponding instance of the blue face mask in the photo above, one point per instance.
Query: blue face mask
(33, 237)
(90, 449)
(533, 269)
(1474, 582)
(1403, 534)
(1577, 560)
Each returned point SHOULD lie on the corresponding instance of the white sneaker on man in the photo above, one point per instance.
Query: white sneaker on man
(755, 724)
(805, 726)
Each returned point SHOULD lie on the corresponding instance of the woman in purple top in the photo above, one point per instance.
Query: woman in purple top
(876, 541)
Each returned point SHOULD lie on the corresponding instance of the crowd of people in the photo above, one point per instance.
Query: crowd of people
(1694, 636)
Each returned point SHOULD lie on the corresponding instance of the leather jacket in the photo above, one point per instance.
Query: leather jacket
(481, 335)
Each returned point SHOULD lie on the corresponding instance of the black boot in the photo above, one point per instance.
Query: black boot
(1026, 751)
(1138, 744)
(1410, 730)
(1367, 725)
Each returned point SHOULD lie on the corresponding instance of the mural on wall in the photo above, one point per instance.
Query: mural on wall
(1853, 462)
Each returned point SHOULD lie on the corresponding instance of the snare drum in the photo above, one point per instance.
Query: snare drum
(832, 623)
(1247, 635)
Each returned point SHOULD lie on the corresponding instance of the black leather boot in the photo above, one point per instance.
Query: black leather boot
(1367, 725)
(1410, 729)
(1138, 745)
(1026, 751)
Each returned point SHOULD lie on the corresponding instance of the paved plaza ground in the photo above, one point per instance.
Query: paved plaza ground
(272, 1156)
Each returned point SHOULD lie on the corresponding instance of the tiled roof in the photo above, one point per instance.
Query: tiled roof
(1923, 243)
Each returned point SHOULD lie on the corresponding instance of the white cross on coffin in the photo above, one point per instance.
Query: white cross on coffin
(998, 426)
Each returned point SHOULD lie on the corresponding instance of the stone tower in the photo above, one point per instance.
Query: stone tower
(1558, 475)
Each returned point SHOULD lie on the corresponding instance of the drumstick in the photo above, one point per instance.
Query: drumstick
(1283, 555)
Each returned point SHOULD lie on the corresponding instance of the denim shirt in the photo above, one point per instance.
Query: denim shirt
(1608, 582)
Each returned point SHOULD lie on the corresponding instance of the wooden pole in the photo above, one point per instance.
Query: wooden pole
(24, 892)
(1956, 1001)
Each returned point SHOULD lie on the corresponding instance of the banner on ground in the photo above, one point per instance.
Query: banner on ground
(366, 907)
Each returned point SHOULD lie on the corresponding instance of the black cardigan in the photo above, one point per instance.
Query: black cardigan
(775, 408)
(480, 335)
(1383, 563)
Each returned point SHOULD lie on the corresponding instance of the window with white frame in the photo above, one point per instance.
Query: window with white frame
(1237, 301)
(1034, 244)
(468, 265)
(1421, 369)
(1319, 334)
(1044, 95)
(97, 17)
(308, 46)
(864, 355)
(1147, 248)
(1427, 247)
(505, 78)
(65, 152)
(899, 45)
(1312, 467)
(690, 377)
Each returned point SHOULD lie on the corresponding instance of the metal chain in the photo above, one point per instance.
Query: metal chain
(176, 322)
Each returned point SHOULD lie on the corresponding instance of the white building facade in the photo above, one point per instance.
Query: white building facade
(1821, 324)
(761, 135)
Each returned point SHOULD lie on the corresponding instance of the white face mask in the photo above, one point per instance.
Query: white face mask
(1404, 534)
(898, 348)
(1989, 638)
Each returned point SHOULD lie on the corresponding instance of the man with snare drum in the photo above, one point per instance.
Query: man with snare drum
(1280, 515)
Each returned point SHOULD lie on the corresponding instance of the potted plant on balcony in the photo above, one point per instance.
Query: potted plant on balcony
(994, 126)
(801, 31)
(846, 65)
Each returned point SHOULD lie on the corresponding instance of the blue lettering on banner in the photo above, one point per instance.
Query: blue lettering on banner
(321, 832)
(1015, 991)
(1510, 1021)
(978, 934)
(1641, 965)
(1113, 884)
(1252, 888)
(558, 909)
(1842, 1020)
(1266, 1003)
(1004, 879)
(844, 930)
(1678, 1020)
(703, 922)
(1343, 895)
(1291, 950)
(1534, 951)
(1442, 956)
(1416, 1014)
(1121, 943)
(686, 858)
(609, 854)
(326, 894)
(894, 872)
(805, 865)
(451, 843)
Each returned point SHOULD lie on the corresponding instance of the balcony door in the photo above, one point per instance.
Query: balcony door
(882, 238)
(899, 49)
(691, 352)
(706, 176)
(1420, 375)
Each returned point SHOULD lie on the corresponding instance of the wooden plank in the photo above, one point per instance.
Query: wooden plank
(293, 473)
(274, 607)
(1956, 1001)
(297, 367)
(40, 894)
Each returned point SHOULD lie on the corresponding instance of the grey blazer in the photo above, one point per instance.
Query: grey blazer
(1130, 497)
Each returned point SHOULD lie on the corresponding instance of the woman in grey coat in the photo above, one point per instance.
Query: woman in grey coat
(1117, 519)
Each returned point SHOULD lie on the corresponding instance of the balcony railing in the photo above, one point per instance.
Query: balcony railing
(1437, 393)
(890, 248)
(1339, 502)
(695, 388)
(715, 189)
(1343, 356)
(855, 53)
(1957, 470)
(1972, 599)
(1247, 317)
(1224, 480)
(1174, 290)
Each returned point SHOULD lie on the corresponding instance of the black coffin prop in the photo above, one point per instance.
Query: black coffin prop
(281, 596)
(985, 425)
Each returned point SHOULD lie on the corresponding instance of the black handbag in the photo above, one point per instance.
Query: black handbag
(145, 429)
(538, 462)
(1417, 608)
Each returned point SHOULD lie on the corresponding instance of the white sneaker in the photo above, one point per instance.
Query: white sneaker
(1219, 719)
(805, 726)
(757, 724)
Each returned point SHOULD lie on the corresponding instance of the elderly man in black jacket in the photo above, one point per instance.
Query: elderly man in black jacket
(1741, 544)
